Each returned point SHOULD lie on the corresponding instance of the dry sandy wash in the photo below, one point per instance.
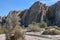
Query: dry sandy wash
(32, 36)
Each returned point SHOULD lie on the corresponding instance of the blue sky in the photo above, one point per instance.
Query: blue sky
(7, 5)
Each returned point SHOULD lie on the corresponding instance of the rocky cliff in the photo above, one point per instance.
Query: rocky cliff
(53, 14)
(38, 12)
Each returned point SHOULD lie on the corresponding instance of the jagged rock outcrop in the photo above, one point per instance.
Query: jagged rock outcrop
(53, 14)
(36, 13)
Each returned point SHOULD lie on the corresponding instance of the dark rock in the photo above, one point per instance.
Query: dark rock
(34, 14)
(53, 14)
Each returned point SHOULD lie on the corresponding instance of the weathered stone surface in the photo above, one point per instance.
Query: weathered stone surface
(38, 12)
(53, 14)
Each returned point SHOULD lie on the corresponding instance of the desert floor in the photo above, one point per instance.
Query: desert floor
(36, 36)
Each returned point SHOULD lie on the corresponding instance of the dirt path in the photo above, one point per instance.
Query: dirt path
(2, 37)
(36, 37)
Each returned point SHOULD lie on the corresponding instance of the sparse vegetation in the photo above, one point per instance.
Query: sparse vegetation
(34, 27)
(1, 30)
(37, 26)
(19, 33)
(58, 28)
(15, 29)
(51, 32)
(42, 25)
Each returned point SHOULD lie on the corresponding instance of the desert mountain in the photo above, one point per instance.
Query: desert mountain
(38, 12)
(53, 14)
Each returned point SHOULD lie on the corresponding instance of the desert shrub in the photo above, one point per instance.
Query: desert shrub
(46, 28)
(56, 27)
(1, 30)
(19, 33)
(42, 25)
(13, 19)
(50, 27)
(14, 22)
(51, 32)
(14, 30)
(46, 32)
(34, 27)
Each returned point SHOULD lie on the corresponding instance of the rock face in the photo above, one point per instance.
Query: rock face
(53, 14)
(0, 20)
(38, 12)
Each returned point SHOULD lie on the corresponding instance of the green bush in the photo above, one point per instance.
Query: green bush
(34, 27)
(46, 32)
(51, 32)
(56, 27)
(37, 26)
(19, 33)
(42, 25)
(50, 27)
